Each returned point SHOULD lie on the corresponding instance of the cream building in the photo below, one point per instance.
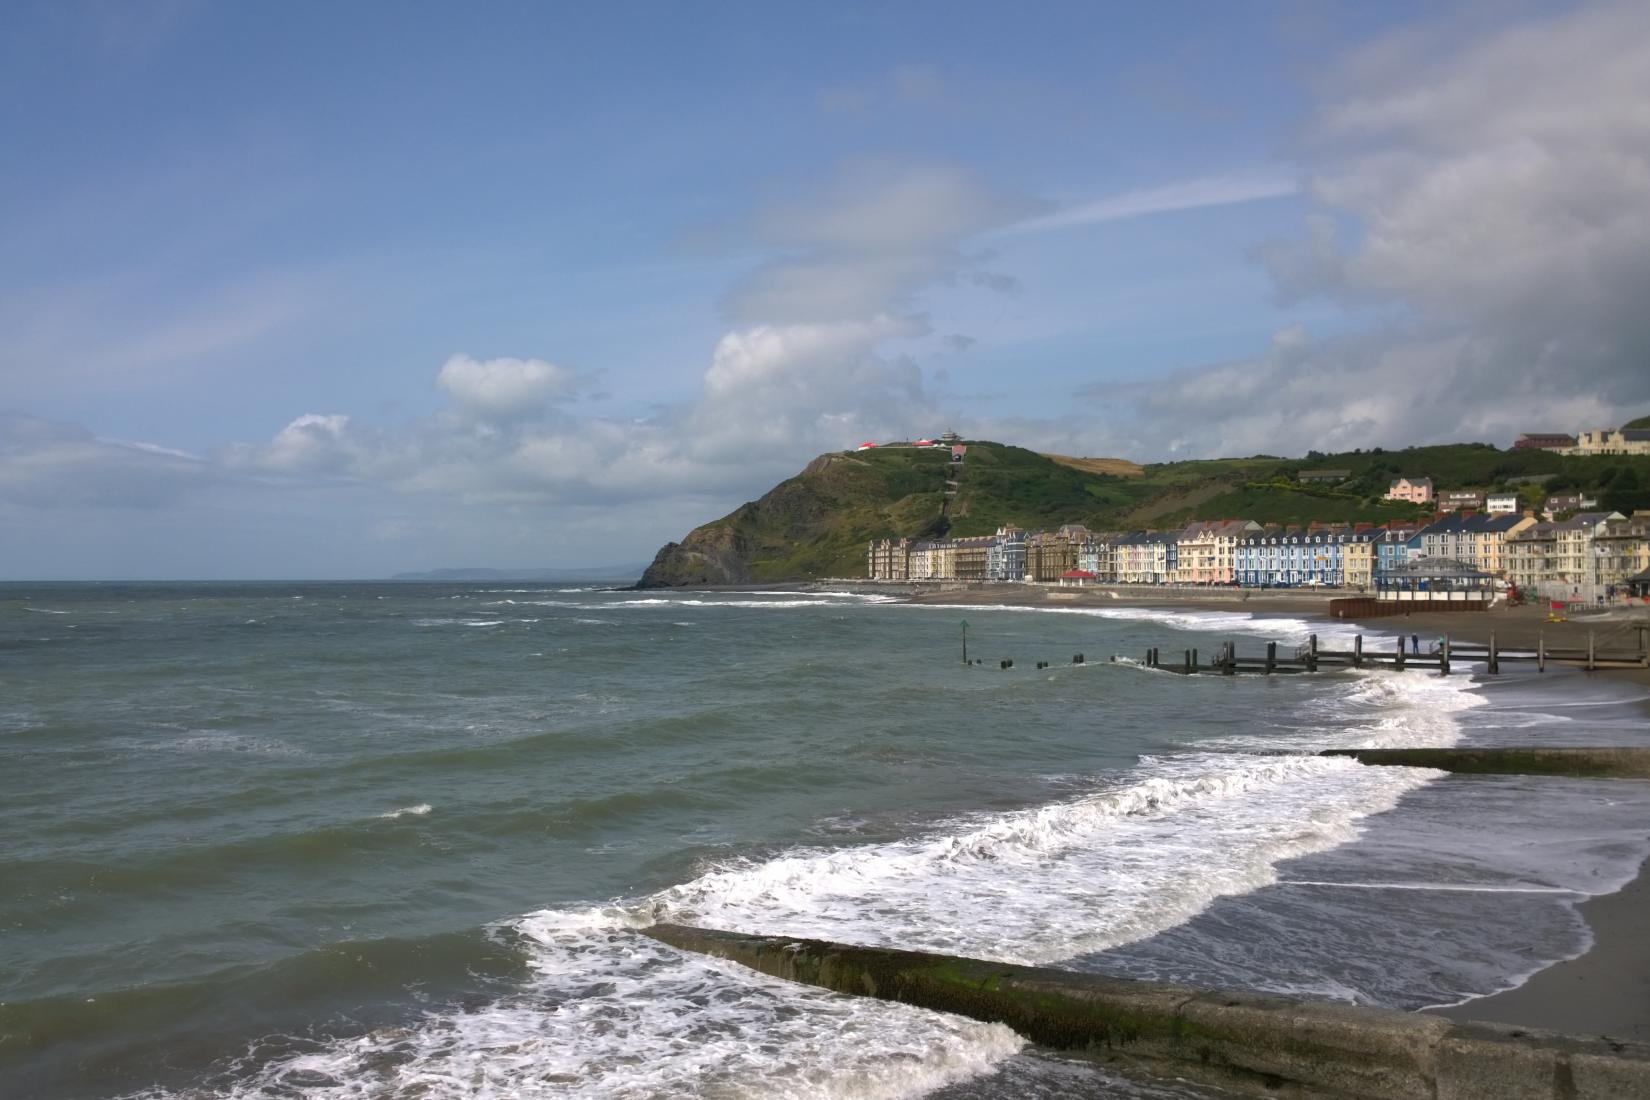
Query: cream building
(1207, 550)
(888, 560)
(1612, 441)
(1561, 560)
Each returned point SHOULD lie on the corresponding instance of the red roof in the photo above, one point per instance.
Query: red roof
(1077, 573)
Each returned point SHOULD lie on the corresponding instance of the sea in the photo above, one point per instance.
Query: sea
(375, 840)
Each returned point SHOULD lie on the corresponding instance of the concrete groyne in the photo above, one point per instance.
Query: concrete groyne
(1604, 762)
(1260, 1043)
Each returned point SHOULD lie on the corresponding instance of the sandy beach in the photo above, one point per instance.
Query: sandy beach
(1604, 992)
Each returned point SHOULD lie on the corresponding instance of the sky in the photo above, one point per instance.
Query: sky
(337, 291)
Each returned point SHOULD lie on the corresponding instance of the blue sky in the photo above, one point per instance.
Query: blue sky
(341, 290)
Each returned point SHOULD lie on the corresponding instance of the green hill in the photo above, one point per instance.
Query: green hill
(817, 523)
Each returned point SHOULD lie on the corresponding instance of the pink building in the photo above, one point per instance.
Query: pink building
(1416, 490)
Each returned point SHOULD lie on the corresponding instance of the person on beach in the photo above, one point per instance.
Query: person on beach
(1415, 644)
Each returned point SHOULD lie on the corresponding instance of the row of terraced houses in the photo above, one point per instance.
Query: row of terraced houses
(1586, 556)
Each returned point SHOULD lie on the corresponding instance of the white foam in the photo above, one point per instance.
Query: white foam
(47, 611)
(1063, 879)
(610, 1013)
(1369, 709)
(417, 811)
(1276, 628)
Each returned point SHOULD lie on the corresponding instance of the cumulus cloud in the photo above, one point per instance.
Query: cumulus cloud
(1500, 197)
(820, 358)
(504, 389)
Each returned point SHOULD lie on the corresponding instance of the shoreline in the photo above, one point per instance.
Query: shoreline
(1603, 991)
(1514, 627)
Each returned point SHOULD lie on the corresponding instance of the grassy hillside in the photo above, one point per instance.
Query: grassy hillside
(817, 523)
(1122, 467)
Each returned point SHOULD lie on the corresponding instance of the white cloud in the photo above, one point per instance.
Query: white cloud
(1497, 198)
(51, 465)
(1184, 195)
(504, 389)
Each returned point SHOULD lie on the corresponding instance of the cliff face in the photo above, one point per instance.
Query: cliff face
(713, 554)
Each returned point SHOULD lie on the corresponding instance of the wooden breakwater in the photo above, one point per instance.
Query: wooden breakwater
(1260, 1043)
(1440, 657)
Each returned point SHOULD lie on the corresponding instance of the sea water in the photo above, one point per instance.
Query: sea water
(375, 840)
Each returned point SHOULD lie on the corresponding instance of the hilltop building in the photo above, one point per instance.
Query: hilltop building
(1544, 441)
(1612, 441)
(1567, 502)
(1453, 500)
(1416, 490)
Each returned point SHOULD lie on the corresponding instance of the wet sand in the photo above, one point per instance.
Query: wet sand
(1603, 992)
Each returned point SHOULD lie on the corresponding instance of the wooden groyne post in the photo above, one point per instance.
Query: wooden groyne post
(1262, 1043)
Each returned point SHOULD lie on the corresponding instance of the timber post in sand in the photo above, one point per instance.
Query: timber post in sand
(1398, 662)
(1358, 651)
(1541, 651)
(1271, 657)
(1592, 652)
(1494, 665)
(1443, 657)
(1262, 1043)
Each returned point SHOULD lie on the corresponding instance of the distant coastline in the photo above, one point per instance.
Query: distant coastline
(627, 573)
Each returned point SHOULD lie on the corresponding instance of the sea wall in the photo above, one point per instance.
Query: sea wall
(1260, 1043)
(1579, 762)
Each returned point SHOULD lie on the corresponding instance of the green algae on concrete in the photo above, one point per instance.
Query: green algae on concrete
(1259, 1043)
